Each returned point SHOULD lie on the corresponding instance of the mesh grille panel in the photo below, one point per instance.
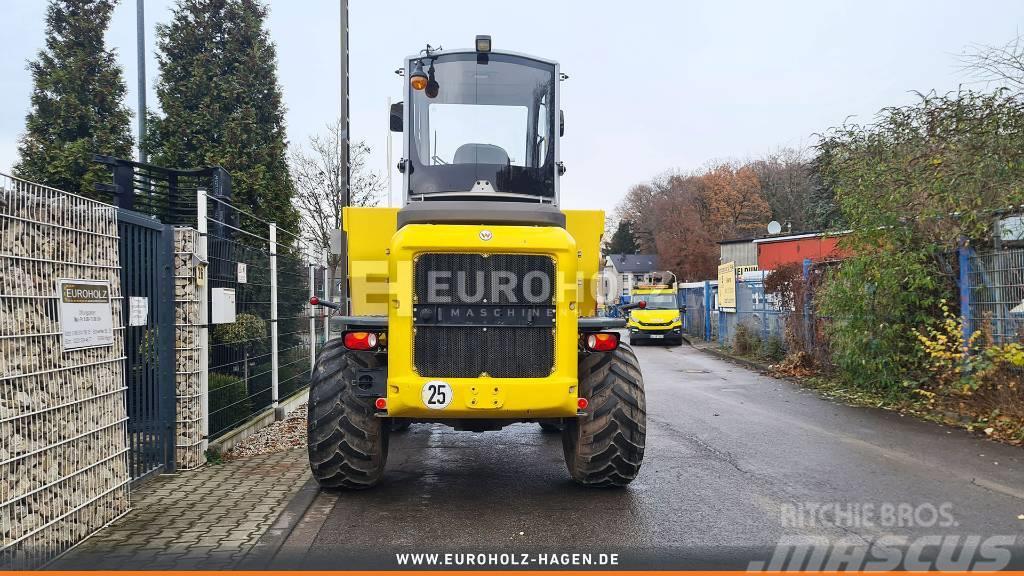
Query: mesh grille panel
(471, 278)
(468, 351)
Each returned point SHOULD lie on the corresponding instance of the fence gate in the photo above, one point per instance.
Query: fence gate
(147, 284)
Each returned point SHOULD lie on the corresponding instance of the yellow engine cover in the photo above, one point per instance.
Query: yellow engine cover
(381, 280)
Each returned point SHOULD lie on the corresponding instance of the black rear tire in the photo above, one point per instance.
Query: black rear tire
(348, 444)
(605, 448)
(400, 425)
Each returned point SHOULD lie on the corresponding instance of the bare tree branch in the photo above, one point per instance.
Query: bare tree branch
(317, 173)
(1001, 65)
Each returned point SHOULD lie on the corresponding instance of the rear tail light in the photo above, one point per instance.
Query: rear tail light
(601, 341)
(582, 403)
(357, 340)
(381, 403)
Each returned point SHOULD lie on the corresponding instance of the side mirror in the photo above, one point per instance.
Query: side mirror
(397, 116)
(561, 123)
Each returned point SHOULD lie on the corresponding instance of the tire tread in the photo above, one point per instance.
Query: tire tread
(605, 448)
(347, 443)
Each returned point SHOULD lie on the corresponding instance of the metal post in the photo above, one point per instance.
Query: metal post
(808, 326)
(312, 319)
(274, 375)
(707, 310)
(344, 153)
(124, 182)
(389, 155)
(722, 321)
(964, 254)
(204, 319)
(764, 312)
(164, 316)
(326, 315)
(140, 22)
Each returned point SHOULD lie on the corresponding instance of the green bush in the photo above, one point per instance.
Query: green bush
(228, 401)
(746, 340)
(773, 349)
(913, 187)
(875, 302)
(247, 328)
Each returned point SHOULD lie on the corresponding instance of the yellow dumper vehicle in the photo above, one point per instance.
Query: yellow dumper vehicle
(474, 305)
(659, 320)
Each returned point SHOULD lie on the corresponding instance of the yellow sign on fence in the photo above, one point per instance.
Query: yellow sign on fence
(727, 285)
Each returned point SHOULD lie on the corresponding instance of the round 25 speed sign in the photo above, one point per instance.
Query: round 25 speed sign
(436, 394)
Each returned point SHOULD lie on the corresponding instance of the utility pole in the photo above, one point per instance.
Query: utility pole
(388, 156)
(140, 18)
(344, 152)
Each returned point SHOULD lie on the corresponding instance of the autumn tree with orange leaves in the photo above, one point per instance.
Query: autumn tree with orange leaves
(681, 217)
(736, 206)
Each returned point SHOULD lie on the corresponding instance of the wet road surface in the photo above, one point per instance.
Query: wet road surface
(735, 462)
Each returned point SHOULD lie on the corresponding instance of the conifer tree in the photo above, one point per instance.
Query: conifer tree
(77, 107)
(222, 104)
(622, 241)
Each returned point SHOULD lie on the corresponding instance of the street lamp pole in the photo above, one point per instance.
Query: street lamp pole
(344, 160)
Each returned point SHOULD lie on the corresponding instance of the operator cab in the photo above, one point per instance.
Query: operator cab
(480, 140)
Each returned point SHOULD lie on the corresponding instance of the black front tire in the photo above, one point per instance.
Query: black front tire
(348, 443)
(605, 448)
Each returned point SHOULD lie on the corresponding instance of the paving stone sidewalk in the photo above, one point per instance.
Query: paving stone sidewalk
(203, 519)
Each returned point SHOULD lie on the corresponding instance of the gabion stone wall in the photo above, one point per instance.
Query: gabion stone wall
(63, 448)
(187, 372)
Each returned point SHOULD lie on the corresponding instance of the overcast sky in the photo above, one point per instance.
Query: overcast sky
(654, 85)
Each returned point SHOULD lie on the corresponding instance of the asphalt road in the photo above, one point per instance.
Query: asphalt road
(736, 461)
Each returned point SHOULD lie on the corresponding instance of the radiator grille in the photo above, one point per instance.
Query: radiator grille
(470, 278)
(469, 351)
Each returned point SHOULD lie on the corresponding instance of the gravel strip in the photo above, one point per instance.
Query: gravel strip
(287, 434)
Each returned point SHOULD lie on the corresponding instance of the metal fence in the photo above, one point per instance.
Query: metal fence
(229, 369)
(757, 319)
(146, 254)
(168, 194)
(64, 470)
(699, 299)
(992, 293)
(266, 354)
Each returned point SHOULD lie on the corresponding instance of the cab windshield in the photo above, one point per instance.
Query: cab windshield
(484, 125)
(657, 301)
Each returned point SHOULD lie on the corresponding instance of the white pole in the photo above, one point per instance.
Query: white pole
(312, 319)
(204, 321)
(389, 154)
(327, 286)
(274, 375)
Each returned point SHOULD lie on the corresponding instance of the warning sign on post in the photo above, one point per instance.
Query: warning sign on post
(86, 318)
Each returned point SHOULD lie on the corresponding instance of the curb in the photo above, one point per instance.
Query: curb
(266, 548)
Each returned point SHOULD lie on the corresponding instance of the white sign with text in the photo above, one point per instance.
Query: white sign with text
(138, 310)
(86, 318)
